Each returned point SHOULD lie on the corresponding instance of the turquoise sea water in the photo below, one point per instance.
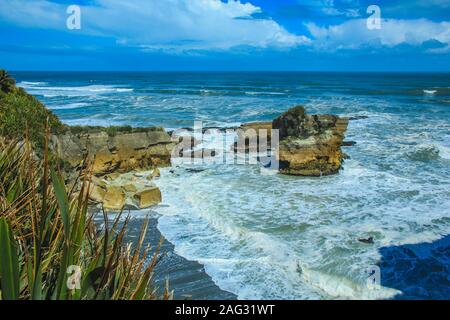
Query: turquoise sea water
(273, 236)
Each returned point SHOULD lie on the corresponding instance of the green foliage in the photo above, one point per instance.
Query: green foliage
(9, 263)
(47, 232)
(23, 116)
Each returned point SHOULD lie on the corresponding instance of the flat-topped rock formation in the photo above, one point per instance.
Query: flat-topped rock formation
(310, 145)
(122, 151)
(253, 135)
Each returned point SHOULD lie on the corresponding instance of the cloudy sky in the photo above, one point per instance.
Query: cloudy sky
(323, 35)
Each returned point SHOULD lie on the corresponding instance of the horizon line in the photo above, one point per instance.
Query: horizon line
(237, 71)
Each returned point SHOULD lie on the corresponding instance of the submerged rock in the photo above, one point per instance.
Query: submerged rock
(348, 143)
(368, 240)
(358, 117)
(310, 145)
(195, 170)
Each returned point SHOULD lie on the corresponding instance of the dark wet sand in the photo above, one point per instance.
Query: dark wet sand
(187, 278)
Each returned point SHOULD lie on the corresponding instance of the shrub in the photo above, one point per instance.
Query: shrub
(23, 116)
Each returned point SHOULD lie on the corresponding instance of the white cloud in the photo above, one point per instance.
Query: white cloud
(354, 34)
(344, 8)
(350, 8)
(186, 25)
(157, 24)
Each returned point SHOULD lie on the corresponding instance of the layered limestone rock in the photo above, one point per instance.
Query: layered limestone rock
(97, 193)
(126, 191)
(114, 157)
(310, 145)
(148, 197)
(114, 198)
(118, 153)
(253, 137)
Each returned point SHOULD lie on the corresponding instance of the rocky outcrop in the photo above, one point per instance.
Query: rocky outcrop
(310, 145)
(114, 158)
(97, 193)
(122, 152)
(148, 197)
(114, 198)
(252, 136)
(125, 191)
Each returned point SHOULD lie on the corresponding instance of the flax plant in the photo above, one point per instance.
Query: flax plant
(50, 247)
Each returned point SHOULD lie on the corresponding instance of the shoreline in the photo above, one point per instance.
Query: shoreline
(187, 278)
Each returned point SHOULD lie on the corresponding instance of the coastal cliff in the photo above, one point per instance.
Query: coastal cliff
(121, 151)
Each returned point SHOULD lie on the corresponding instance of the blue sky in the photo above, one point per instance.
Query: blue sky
(319, 35)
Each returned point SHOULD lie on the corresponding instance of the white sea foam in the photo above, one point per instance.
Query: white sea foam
(343, 288)
(256, 93)
(430, 92)
(30, 83)
(272, 264)
(68, 106)
(55, 91)
(219, 218)
(92, 121)
(444, 151)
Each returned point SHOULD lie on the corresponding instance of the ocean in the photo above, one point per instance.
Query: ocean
(283, 237)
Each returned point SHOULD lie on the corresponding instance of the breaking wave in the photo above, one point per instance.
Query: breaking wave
(424, 153)
(55, 91)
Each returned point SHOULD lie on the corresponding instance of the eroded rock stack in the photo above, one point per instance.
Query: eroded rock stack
(310, 145)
